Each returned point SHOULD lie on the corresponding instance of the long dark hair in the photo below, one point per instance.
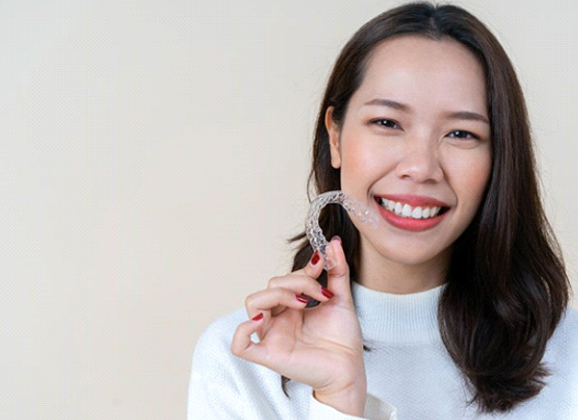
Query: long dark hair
(506, 285)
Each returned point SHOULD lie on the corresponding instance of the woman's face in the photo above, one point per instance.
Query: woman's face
(415, 145)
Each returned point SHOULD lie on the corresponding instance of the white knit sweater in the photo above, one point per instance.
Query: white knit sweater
(407, 366)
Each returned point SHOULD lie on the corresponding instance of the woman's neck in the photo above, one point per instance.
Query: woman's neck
(395, 277)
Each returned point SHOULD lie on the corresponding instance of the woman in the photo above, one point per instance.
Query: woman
(455, 307)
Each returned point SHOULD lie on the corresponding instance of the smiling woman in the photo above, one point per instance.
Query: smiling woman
(455, 306)
(416, 135)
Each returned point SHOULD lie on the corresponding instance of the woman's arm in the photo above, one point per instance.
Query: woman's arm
(323, 356)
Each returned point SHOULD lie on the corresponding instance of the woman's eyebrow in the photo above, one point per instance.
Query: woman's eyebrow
(466, 115)
(457, 115)
(388, 103)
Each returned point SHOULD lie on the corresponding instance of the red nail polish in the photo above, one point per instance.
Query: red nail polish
(258, 317)
(315, 258)
(302, 298)
(326, 292)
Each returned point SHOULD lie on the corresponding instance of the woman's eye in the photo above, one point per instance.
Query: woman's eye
(386, 123)
(461, 134)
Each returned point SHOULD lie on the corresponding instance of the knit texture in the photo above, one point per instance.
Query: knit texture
(409, 372)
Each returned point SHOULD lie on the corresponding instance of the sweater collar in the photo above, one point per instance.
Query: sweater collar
(397, 318)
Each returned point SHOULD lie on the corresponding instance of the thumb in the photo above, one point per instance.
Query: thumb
(338, 275)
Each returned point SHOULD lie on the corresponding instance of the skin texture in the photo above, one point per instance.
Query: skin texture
(422, 148)
(416, 150)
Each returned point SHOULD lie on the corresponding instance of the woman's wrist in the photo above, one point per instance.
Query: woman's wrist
(350, 400)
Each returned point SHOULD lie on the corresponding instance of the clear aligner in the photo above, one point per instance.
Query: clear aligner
(314, 233)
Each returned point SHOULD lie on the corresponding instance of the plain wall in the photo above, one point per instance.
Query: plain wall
(153, 163)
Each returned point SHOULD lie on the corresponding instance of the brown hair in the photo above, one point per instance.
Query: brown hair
(506, 286)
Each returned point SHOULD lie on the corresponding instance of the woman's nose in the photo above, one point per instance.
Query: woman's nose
(420, 163)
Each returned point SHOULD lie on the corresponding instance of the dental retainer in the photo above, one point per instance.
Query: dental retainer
(314, 233)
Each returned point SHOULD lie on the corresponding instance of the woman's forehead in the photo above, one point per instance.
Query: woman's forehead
(424, 72)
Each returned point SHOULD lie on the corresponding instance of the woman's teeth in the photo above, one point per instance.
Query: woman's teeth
(405, 210)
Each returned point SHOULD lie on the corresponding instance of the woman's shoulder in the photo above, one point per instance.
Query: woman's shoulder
(568, 326)
(216, 372)
(217, 337)
(564, 341)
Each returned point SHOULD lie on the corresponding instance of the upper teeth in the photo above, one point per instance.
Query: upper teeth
(405, 210)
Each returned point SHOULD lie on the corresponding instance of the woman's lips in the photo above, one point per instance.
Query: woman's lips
(410, 212)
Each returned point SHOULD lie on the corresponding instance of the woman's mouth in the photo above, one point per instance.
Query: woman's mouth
(407, 211)
(412, 217)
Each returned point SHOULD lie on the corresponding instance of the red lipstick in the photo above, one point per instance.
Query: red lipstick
(409, 223)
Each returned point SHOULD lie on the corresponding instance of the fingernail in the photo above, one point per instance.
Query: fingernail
(302, 298)
(326, 292)
(315, 258)
(336, 238)
(258, 317)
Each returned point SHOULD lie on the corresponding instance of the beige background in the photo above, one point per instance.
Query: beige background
(153, 159)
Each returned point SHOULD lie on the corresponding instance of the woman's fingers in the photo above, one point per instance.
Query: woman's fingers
(285, 293)
(243, 346)
(338, 281)
(266, 351)
(338, 276)
(282, 293)
(314, 267)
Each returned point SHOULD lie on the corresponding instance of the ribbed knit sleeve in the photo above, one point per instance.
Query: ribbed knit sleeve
(375, 409)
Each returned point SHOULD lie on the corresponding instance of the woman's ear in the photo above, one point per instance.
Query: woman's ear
(333, 131)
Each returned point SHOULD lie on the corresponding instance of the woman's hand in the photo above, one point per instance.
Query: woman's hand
(322, 346)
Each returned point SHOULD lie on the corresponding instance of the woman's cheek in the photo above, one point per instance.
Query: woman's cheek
(472, 177)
